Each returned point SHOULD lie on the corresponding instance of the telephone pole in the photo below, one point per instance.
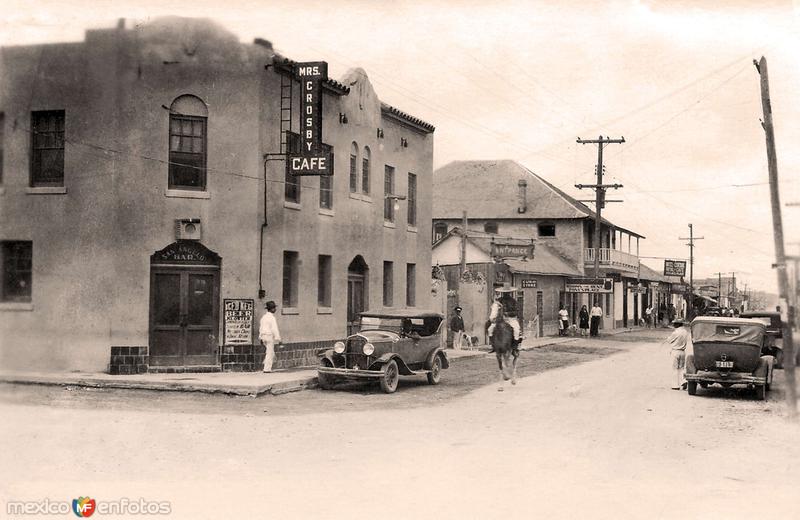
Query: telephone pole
(599, 192)
(463, 244)
(691, 239)
(777, 224)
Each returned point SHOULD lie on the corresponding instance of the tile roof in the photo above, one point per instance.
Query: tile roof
(415, 122)
(489, 190)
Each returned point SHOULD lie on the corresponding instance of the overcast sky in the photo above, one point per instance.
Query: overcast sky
(521, 80)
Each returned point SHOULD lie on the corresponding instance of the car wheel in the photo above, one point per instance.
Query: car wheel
(325, 381)
(703, 384)
(691, 387)
(761, 392)
(390, 378)
(435, 375)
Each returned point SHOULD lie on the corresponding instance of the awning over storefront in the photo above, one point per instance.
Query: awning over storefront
(545, 262)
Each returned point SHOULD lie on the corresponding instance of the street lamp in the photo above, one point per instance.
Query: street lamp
(396, 199)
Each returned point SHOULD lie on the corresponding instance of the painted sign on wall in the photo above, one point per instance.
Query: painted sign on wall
(589, 285)
(501, 250)
(314, 158)
(674, 267)
(238, 319)
(528, 284)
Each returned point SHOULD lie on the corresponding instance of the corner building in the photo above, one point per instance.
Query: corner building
(140, 190)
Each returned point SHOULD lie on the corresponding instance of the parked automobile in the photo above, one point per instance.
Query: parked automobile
(728, 351)
(772, 319)
(389, 344)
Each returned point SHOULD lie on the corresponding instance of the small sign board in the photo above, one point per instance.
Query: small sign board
(314, 158)
(589, 285)
(679, 288)
(529, 284)
(501, 250)
(674, 267)
(238, 318)
(640, 289)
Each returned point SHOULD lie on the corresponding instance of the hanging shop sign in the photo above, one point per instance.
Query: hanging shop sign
(589, 285)
(674, 267)
(679, 288)
(529, 284)
(502, 250)
(314, 158)
(238, 318)
(640, 289)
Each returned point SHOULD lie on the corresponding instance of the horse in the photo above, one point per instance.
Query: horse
(505, 349)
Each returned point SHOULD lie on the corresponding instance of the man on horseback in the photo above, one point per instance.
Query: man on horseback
(506, 306)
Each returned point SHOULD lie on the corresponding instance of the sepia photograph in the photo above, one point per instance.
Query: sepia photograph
(456, 259)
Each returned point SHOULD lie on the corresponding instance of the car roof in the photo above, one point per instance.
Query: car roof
(726, 320)
(402, 313)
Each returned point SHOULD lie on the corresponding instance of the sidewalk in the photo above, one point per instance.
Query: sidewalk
(232, 383)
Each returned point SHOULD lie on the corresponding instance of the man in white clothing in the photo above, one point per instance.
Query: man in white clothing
(509, 315)
(269, 335)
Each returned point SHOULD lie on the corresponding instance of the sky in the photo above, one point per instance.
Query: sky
(522, 80)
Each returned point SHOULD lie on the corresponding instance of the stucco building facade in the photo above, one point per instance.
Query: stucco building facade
(140, 191)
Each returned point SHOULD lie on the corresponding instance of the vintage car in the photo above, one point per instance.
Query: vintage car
(772, 319)
(728, 351)
(389, 344)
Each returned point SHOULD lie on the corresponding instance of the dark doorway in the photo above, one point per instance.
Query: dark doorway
(184, 305)
(624, 303)
(357, 292)
(540, 311)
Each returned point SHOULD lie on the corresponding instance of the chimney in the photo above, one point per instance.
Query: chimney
(522, 196)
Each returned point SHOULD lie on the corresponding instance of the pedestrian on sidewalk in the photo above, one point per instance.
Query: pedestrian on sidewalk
(596, 315)
(457, 326)
(563, 321)
(584, 320)
(648, 316)
(269, 334)
(679, 341)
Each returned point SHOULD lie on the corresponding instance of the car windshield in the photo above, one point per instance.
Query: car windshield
(421, 326)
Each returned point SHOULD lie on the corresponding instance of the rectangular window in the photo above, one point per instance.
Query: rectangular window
(388, 190)
(47, 145)
(187, 152)
(326, 183)
(365, 173)
(608, 304)
(292, 182)
(388, 284)
(291, 270)
(412, 200)
(2, 142)
(411, 285)
(17, 261)
(324, 271)
(353, 173)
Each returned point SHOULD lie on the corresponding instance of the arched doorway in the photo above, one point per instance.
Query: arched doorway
(184, 305)
(357, 292)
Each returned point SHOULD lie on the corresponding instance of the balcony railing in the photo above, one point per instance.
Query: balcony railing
(612, 258)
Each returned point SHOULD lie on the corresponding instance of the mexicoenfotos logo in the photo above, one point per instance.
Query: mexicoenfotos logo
(83, 506)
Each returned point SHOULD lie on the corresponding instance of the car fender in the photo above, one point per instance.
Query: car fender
(690, 368)
(437, 352)
(401, 365)
(764, 367)
(327, 355)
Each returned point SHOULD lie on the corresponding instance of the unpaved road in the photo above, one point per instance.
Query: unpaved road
(602, 439)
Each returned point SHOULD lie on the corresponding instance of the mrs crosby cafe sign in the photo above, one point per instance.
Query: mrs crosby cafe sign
(313, 159)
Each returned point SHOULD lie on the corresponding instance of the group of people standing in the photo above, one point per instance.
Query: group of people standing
(588, 320)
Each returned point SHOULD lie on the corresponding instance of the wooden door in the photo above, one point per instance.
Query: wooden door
(355, 301)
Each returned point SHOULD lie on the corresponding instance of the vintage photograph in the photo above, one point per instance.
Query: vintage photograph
(414, 259)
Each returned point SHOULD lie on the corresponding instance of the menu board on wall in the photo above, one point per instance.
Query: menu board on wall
(238, 319)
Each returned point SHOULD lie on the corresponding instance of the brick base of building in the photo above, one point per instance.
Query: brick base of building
(128, 360)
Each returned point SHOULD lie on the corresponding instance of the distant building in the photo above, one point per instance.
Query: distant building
(503, 199)
(138, 197)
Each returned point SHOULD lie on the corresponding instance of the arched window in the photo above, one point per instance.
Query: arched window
(490, 227)
(353, 167)
(365, 171)
(547, 229)
(439, 231)
(188, 117)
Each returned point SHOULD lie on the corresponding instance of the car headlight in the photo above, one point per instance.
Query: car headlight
(338, 347)
(369, 348)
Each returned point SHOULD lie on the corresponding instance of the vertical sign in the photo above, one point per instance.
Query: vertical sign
(314, 158)
(238, 322)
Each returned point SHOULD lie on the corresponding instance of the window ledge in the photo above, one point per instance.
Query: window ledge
(292, 205)
(390, 225)
(290, 310)
(16, 306)
(360, 196)
(186, 194)
(412, 229)
(324, 310)
(545, 238)
(327, 212)
(46, 190)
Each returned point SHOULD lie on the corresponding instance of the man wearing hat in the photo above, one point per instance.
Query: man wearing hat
(457, 326)
(269, 335)
(678, 341)
(503, 298)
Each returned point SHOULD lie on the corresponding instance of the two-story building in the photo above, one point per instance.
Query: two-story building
(505, 199)
(146, 212)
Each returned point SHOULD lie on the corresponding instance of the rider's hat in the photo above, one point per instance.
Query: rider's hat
(457, 308)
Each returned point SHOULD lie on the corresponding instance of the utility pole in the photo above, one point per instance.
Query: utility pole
(777, 224)
(463, 243)
(599, 192)
(691, 239)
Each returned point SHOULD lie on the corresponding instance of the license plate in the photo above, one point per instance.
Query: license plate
(724, 364)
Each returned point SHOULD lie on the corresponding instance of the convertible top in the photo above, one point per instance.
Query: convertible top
(728, 330)
(402, 313)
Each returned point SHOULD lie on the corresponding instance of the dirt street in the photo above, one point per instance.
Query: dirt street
(606, 438)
